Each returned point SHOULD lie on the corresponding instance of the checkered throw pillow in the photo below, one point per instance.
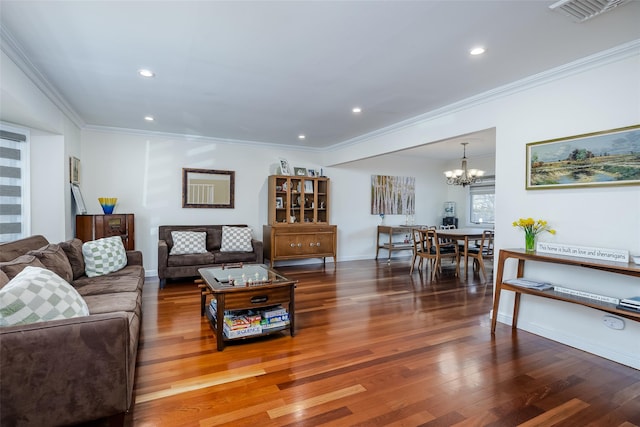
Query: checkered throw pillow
(188, 242)
(39, 295)
(236, 239)
(104, 256)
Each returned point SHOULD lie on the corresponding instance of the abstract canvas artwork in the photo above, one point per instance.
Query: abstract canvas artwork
(393, 195)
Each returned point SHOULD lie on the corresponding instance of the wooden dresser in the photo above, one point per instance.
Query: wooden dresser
(92, 227)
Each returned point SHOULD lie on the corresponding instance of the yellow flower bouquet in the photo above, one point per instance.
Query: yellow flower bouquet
(531, 229)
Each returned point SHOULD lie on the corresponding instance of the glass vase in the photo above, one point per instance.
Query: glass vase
(529, 242)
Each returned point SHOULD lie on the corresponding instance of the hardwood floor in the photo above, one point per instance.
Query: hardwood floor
(374, 346)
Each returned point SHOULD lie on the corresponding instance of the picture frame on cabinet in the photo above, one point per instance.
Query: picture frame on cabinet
(77, 196)
(311, 172)
(597, 159)
(279, 203)
(300, 171)
(284, 167)
(308, 186)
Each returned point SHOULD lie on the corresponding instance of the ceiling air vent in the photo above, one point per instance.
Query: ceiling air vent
(582, 10)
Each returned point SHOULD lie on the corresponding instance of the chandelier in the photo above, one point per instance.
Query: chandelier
(463, 176)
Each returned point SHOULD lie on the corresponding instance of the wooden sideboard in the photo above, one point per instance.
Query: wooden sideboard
(92, 227)
(290, 241)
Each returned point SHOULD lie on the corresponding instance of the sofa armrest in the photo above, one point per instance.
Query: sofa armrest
(258, 249)
(54, 370)
(134, 258)
(163, 259)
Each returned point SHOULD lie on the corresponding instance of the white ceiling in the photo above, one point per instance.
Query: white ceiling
(267, 71)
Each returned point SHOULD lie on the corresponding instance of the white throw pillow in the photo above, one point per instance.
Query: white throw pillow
(37, 295)
(188, 242)
(236, 239)
(104, 256)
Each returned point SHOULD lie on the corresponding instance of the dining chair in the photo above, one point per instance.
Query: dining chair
(434, 252)
(423, 248)
(447, 227)
(483, 251)
(418, 248)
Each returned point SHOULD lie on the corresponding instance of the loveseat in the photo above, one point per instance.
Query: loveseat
(71, 370)
(212, 252)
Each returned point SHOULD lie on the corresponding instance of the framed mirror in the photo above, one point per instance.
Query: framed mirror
(205, 188)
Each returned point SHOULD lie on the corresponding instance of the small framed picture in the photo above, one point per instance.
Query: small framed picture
(279, 203)
(300, 171)
(284, 167)
(311, 172)
(74, 170)
(77, 196)
(308, 186)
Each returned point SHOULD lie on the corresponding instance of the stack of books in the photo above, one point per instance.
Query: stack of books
(530, 284)
(274, 317)
(631, 304)
(244, 323)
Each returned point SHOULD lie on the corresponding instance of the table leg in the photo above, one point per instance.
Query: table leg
(203, 301)
(496, 305)
(220, 321)
(516, 310)
(466, 255)
(292, 311)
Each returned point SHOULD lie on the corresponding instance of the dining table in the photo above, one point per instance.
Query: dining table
(462, 234)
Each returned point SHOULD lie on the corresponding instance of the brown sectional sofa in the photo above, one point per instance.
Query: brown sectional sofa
(71, 371)
(185, 266)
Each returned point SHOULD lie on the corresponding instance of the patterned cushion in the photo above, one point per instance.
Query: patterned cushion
(188, 242)
(37, 295)
(54, 259)
(236, 239)
(104, 256)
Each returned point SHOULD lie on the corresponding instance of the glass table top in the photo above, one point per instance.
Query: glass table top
(242, 276)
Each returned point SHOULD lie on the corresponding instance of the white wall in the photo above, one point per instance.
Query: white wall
(582, 99)
(145, 174)
(351, 200)
(54, 137)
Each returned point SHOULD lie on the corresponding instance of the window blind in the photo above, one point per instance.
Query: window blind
(12, 169)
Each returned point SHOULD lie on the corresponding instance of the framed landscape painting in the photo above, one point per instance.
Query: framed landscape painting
(610, 157)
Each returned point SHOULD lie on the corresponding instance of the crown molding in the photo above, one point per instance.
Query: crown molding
(188, 137)
(13, 50)
(593, 61)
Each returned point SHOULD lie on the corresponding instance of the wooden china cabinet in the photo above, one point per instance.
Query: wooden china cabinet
(299, 219)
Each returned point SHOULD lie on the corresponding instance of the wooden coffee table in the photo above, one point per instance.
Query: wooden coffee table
(244, 287)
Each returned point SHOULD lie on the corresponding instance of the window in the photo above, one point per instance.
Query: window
(14, 218)
(481, 201)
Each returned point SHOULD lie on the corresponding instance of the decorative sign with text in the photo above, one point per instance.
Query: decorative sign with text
(617, 255)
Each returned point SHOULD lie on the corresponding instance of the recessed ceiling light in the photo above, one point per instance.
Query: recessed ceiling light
(149, 118)
(301, 136)
(146, 73)
(477, 51)
(356, 110)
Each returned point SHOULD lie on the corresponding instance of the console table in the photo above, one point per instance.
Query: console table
(391, 246)
(522, 256)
